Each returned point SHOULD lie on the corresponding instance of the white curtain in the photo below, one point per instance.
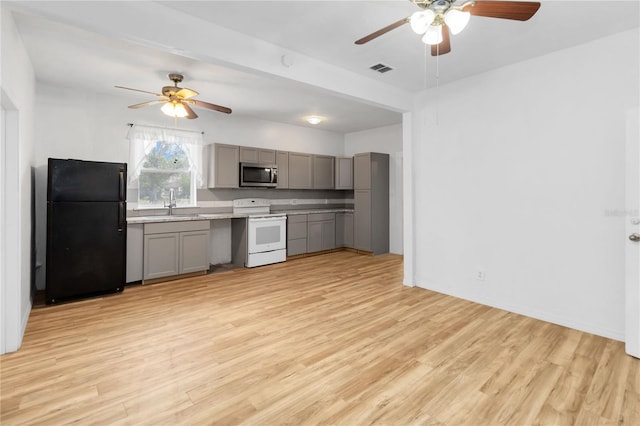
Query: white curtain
(142, 139)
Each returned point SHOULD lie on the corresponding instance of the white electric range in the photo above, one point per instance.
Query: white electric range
(266, 231)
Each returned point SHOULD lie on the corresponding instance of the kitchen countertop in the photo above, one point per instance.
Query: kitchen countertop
(213, 216)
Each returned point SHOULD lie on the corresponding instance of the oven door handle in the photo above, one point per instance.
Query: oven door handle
(268, 219)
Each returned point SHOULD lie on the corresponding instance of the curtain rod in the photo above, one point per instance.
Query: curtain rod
(165, 128)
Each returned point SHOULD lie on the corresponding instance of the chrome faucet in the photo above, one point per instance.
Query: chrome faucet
(172, 201)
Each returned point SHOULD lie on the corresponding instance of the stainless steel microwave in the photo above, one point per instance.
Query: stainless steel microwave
(265, 175)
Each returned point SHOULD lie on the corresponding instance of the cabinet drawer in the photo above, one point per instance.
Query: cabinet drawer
(314, 217)
(179, 226)
(297, 230)
(297, 218)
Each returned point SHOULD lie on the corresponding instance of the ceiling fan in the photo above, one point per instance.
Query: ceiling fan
(177, 100)
(438, 18)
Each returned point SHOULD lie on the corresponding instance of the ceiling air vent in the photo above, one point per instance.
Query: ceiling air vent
(381, 68)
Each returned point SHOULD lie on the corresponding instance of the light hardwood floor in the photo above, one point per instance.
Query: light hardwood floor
(332, 339)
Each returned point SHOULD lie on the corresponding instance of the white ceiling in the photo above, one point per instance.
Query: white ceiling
(324, 30)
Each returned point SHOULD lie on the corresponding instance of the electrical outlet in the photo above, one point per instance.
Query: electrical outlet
(480, 275)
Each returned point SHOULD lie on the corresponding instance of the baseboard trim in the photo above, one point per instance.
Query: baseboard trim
(536, 314)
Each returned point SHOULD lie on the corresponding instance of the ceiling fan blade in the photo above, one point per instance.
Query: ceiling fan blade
(190, 114)
(381, 31)
(138, 90)
(185, 93)
(207, 105)
(144, 104)
(516, 10)
(445, 44)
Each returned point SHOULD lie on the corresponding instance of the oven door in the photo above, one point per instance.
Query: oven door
(267, 234)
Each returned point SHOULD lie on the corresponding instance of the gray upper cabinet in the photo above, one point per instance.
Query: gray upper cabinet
(362, 171)
(224, 170)
(371, 202)
(344, 173)
(323, 172)
(282, 161)
(257, 155)
(300, 171)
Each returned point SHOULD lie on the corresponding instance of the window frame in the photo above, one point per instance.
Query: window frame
(190, 170)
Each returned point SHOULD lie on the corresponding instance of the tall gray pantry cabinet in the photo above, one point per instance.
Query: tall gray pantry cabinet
(371, 202)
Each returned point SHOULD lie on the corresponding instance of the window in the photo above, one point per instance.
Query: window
(166, 167)
(160, 160)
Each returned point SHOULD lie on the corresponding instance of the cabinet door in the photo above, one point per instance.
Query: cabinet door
(257, 155)
(224, 169)
(344, 229)
(328, 235)
(314, 236)
(348, 230)
(362, 220)
(300, 171)
(344, 173)
(282, 161)
(248, 155)
(323, 172)
(362, 171)
(194, 251)
(161, 255)
(266, 156)
(298, 246)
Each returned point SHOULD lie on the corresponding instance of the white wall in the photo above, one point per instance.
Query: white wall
(92, 126)
(18, 92)
(519, 183)
(386, 140)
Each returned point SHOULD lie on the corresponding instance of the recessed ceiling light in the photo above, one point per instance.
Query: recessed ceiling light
(314, 119)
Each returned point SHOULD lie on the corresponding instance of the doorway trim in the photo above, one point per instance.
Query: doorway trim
(11, 327)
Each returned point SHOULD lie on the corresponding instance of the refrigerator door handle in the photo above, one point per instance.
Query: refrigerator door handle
(121, 217)
(122, 187)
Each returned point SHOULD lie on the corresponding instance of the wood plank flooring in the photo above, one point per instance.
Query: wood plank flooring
(332, 339)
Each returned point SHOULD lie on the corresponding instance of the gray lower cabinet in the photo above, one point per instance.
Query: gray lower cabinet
(321, 232)
(323, 172)
(194, 251)
(161, 258)
(223, 166)
(296, 234)
(344, 229)
(300, 171)
(173, 248)
(282, 161)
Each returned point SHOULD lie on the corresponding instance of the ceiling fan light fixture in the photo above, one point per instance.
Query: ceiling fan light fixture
(456, 20)
(433, 35)
(421, 20)
(174, 109)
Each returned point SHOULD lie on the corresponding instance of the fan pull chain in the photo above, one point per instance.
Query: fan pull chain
(437, 82)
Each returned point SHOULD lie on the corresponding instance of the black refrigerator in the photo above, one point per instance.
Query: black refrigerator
(86, 229)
